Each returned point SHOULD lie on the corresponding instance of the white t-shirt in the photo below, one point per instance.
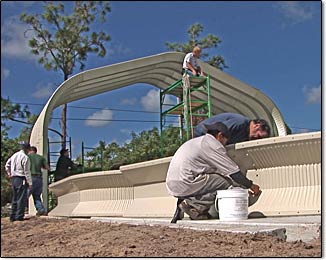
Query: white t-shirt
(19, 165)
(192, 162)
(192, 60)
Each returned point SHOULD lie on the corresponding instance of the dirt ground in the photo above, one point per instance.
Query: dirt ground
(48, 237)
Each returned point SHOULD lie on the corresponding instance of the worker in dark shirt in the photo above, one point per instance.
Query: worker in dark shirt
(240, 127)
(64, 164)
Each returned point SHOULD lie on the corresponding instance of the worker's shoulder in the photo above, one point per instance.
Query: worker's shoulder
(189, 55)
(209, 141)
(229, 117)
(35, 156)
(19, 154)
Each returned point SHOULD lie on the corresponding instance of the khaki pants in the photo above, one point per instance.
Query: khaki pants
(203, 199)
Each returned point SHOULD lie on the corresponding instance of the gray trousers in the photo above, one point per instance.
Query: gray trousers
(203, 199)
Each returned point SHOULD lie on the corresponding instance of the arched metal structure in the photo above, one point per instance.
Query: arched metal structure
(227, 93)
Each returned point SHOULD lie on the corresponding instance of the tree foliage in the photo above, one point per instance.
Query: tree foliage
(63, 40)
(211, 41)
(143, 146)
(9, 111)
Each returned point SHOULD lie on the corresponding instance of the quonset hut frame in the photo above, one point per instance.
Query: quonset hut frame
(226, 92)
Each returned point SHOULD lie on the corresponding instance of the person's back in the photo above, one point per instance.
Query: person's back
(37, 163)
(18, 169)
(238, 126)
(19, 165)
(189, 166)
(63, 165)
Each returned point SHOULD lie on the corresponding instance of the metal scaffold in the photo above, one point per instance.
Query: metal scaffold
(193, 104)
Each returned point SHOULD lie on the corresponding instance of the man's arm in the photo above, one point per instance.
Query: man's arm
(191, 68)
(45, 165)
(238, 177)
(226, 166)
(27, 170)
(8, 167)
(69, 163)
(201, 71)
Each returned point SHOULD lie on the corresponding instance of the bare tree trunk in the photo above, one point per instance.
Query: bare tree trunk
(64, 121)
(64, 125)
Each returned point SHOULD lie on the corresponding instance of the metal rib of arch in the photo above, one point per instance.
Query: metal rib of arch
(227, 93)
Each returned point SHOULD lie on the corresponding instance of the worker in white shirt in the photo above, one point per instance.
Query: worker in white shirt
(201, 167)
(18, 170)
(190, 63)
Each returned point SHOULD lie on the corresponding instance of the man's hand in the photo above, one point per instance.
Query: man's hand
(255, 189)
(194, 72)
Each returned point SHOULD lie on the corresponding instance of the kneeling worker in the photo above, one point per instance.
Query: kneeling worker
(201, 167)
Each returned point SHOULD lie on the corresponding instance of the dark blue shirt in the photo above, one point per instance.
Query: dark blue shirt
(237, 124)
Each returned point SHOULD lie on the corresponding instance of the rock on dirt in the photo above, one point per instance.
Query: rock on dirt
(49, 237)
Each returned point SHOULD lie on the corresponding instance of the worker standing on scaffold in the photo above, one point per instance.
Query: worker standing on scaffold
(190, 63)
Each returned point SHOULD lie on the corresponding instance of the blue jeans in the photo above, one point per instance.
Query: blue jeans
(36, 191)
(189, 72)
(19, 198)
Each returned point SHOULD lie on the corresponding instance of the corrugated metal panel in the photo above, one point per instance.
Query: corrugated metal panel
(103, 208)
(305, 200)
(288, 190)
(228, 94)
(116, 193)
(107, 179)
(287, 154)
(287, 176)
(104, 202)
(94, 180)
(66, 204)
(146, 172)
(277, 151)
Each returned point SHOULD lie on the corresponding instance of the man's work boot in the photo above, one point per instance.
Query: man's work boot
(193, 213)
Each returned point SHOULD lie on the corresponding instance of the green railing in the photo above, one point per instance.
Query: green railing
(187, 108)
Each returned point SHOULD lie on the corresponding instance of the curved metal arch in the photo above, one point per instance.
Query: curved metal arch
(161, 70)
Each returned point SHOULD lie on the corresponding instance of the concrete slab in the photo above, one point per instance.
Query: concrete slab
(305, 228)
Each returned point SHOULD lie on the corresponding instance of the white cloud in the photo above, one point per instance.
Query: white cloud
(43, 91)
(5, 73)
(104, 114)
(14, 39)
(295, 12)
(116, 48)
(151, 102)
(125, 131)
(312, 95)
(129, 101)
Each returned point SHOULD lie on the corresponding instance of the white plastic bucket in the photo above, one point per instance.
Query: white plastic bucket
(232, 204)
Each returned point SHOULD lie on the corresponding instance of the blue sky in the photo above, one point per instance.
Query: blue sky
(273, 46)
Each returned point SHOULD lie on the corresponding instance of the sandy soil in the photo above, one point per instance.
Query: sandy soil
(46, 237)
